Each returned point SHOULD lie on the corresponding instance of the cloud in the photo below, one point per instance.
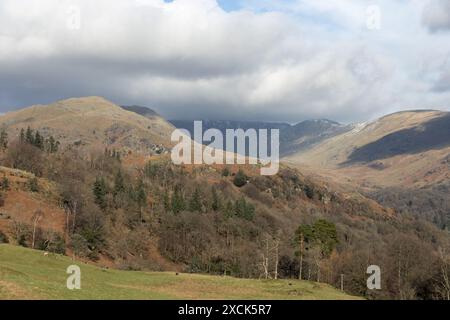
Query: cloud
(265, 60)
(436, 15)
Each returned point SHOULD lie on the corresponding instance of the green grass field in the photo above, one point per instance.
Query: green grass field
(28, 274)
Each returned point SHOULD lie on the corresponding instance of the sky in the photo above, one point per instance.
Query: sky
(284, 60)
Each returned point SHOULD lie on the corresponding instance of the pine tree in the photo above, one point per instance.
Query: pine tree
(22, 135)
(38, 141)
(229, 209)
(215, 205)
(243, 209)
(178, 203)
(4, 183)
(3, 139)
(119, 184)
(166, 201)
(240, 179)
(29, 138)
(195, 205)
(52, 145)
(141, 197)
(100, 192)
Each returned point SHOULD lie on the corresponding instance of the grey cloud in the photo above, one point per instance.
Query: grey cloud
(436, 15)
(192, 60)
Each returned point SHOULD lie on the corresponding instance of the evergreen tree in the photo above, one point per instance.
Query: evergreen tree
(322, 233)
(38, 141)
(119, 184)
(52, 145)
(141, 197)
(229, 209)
(215, 205)
(195, 205)
(100, 191)
(225, 172)
(3, 139)
(166, 201)
(243, 209)
(29, 138)
(4, 183)
(33, 184)
(240, 179)
(178, 203)
(22, 135)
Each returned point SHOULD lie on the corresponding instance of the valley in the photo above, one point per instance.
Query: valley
(108, 195)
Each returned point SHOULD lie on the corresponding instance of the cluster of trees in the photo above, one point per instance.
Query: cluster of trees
(34, 138)
(220, 222)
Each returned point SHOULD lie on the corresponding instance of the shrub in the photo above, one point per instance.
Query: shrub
(225, 172)
(33, 185)
(3, 238)
(240, 179)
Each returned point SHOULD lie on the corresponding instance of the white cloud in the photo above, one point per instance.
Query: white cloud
(189, 58)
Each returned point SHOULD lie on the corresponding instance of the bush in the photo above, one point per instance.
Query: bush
(33, 185)
(3, 238)
(225, 172)
(4, 183)
(240, 179)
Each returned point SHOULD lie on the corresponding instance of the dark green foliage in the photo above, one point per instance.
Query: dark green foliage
(166, 201)
(216, 204)
(140, 195)
(3, 238)
(152, 169)
(195, 204)
(309, 191)
(33, 184)
(29, 138)
(244, 210)
(178, 203)
(229, 209)
(22, 135)
(119, 184)
(4, 183)
(321, 233)
(3, 139)
(100, 191)
(38, 141)
(225, 172)
(240, 179)
(52, 145)
(35, 139)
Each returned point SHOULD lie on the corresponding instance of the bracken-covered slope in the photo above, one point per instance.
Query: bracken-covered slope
(409, 148)
(401, 160)
(91, 122)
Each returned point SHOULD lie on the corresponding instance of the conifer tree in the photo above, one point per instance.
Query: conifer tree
(195, 205)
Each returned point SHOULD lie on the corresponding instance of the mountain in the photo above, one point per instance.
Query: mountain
(143, 111)
(92, 122)
(140, 212)
(293, 138)
(406, 154)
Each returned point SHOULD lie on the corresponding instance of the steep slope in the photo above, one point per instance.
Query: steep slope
(293, 138)
(92, 122)
(401, 160)
(407, 148)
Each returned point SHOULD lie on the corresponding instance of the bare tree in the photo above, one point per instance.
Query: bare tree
(37, 216)
(444, 268)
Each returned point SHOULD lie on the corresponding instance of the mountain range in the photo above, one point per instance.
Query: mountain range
(372, 193)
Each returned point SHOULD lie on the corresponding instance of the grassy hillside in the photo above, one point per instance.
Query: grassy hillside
(28, 274)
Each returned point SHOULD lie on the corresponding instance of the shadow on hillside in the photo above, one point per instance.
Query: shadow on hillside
(434, 134)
